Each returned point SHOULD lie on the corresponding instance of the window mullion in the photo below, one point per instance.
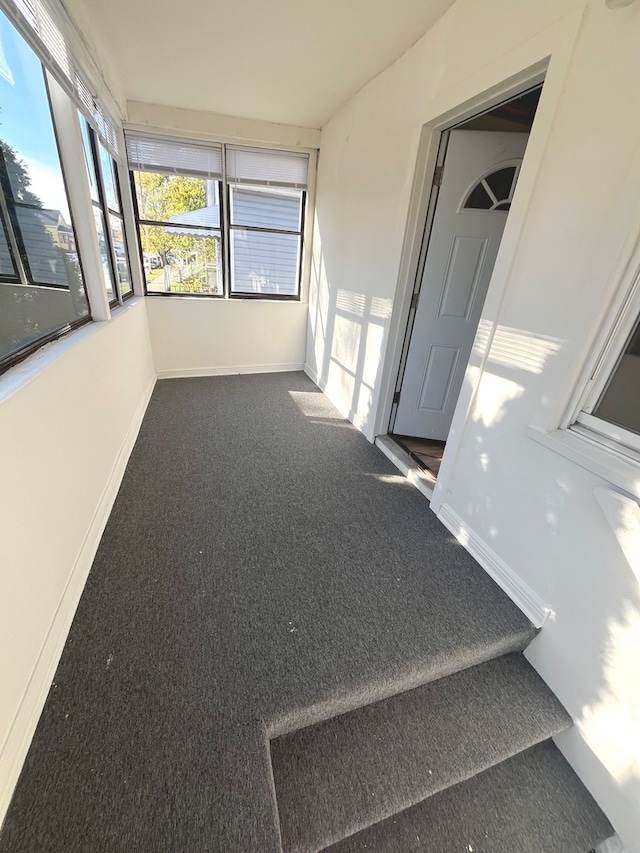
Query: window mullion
(72, 152)
(103, 206)
(127, 204)
(13, 242)
(225, 230)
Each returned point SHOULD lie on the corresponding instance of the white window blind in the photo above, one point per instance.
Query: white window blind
(267, 168)
(93, 109)
(147, 153)
(38, 25)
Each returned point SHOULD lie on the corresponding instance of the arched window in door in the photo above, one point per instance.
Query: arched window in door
(494, 191)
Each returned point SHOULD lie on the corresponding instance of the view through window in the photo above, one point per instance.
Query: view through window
(107, 212)
(41, 285)
(209, 231)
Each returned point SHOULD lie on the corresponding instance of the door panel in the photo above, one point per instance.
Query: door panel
(438, 378)
(462, 276)
(462, 250)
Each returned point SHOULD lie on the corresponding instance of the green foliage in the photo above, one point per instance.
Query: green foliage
(195, 258)
(163, 196)
(14, 171)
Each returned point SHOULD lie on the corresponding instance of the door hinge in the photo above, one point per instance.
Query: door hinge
(396, 398)
(437, 176)
(414, 301)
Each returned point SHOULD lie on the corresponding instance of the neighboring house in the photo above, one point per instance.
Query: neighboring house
(61, 233)
(544, 500)
(250, 248)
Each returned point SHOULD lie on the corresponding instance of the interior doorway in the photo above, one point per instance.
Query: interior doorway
(475, 179)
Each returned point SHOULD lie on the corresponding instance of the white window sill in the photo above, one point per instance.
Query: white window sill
(21, 374)
(610, 465)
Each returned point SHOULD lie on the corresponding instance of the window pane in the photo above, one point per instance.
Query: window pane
(108, 176)
(7, 267)
(264, 263)
(120, 250)
(177, 198)
(500, 182)
(181, 260)
(478, 199)
(47, 240)
(98, 215)
(620, 402)
(272, 208)
(33, 188)
(88, 159)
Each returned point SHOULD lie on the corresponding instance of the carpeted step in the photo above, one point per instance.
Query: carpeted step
(530, 803)
(338, 777)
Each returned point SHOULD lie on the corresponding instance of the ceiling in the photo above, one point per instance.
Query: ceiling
(287, 61)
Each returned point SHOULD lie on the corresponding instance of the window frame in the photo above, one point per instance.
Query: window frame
(278, 297)
(614, 337)
(17, 247)
(95, 144)
(158, 223)
(496, 205)
(223, 189)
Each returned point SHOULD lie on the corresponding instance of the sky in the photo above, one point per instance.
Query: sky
(25, 121)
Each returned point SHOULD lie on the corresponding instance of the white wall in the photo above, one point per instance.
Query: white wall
(531, 508)
(68, 418)
(200, 124)
(200, 337)
(203, 337)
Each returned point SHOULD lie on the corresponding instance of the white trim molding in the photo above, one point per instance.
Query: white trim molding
(605, 461)
(518, 591)
(359, 422)
(187, 372)
(15, 748)
(611, 845)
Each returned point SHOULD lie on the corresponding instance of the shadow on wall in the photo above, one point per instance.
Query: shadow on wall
(347, 332)
(525, 501)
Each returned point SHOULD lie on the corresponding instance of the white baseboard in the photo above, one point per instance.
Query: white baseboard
(613, 845)
(186, 372)
(313, 376)
(518, 591)
(348, 414)
(16, 745)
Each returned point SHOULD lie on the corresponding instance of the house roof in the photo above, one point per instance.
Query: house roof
(207, 217)
(50, 217)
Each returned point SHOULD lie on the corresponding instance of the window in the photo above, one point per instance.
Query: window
(177, 189)
(610, 408)
(266, 204)
(494, 191)
(42, 291)
(211, 231)
(107, 212)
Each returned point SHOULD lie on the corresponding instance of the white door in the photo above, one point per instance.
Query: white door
(480, 173)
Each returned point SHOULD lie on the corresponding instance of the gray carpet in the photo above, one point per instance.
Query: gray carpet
(337, 777)
(263, 569)
(531, 803)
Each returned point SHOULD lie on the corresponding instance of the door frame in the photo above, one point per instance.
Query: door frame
(422, 205)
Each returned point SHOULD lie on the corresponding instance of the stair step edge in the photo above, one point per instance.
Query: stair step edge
(390, 684)
(335, 778)
(530, 802)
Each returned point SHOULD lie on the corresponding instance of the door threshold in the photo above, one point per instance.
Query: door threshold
(417, 476)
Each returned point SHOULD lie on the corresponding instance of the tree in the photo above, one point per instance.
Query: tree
(159, 198)
(15, 178)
